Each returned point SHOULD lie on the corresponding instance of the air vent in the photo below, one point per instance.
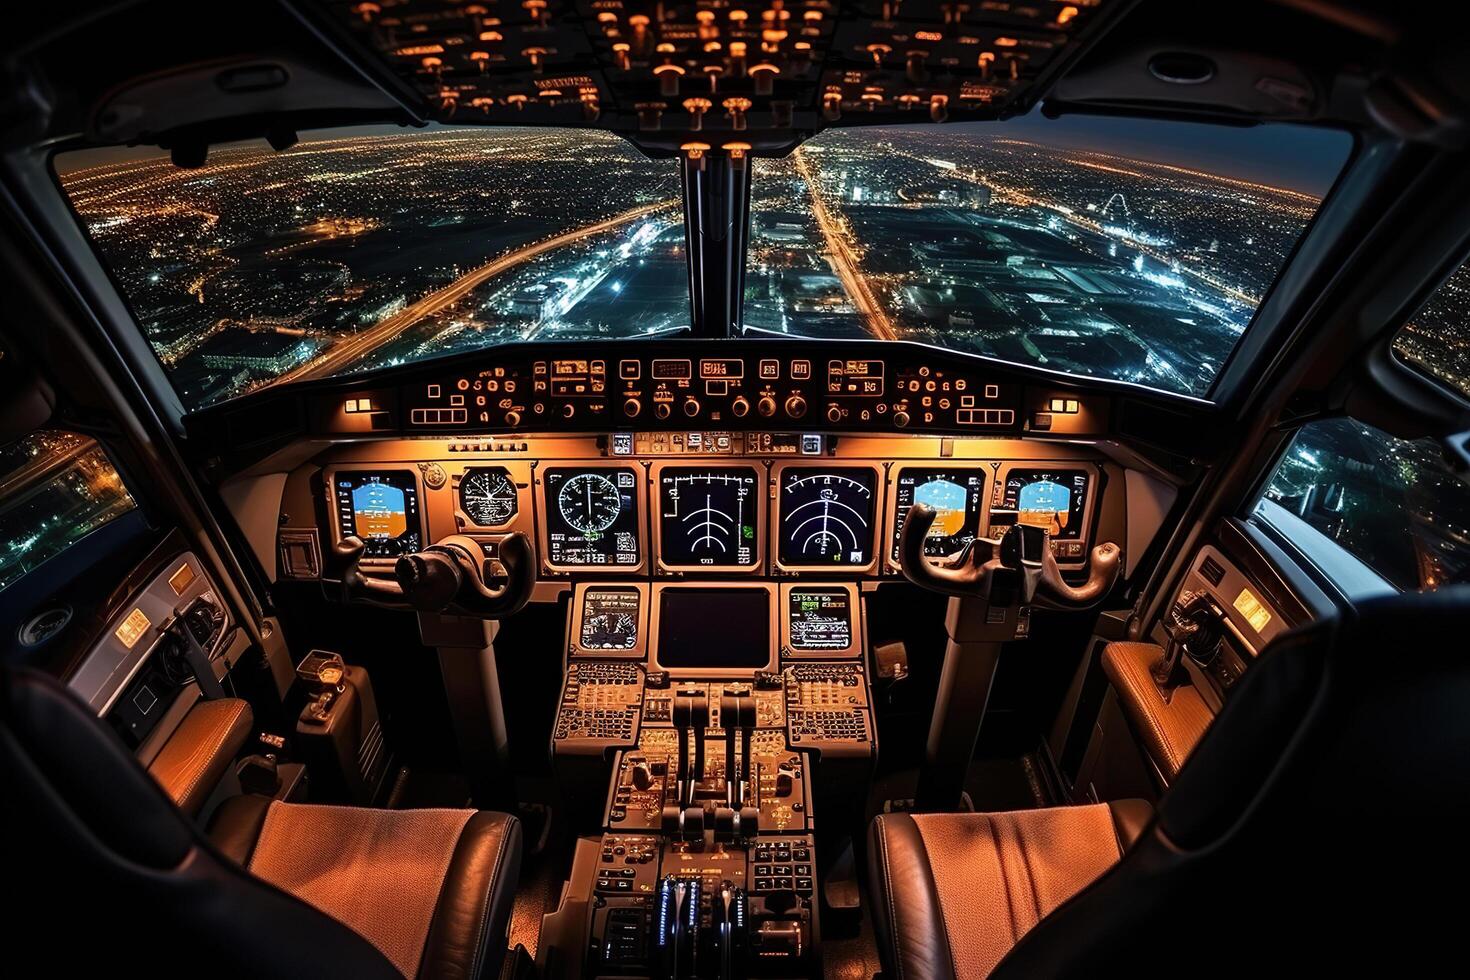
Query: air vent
(298, 553)
(1212, 570)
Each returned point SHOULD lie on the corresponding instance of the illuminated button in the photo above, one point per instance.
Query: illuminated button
(1073, 406)
(801, 369)
(434, 391)
(992, 391)
(770, 368)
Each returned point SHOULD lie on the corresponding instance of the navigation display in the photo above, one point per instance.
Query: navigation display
(957, 494)
(1051, 499)
(707, 516)
(827, 516)
(381, 508)
(820, 619)
(591, 517)
(714, 628)
(609, 619)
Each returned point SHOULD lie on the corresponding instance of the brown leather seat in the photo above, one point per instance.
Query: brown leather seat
(1314, 830)
(109, 871)
(953, 892)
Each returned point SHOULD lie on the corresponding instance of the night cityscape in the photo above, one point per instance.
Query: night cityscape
(56, 488)
(349, 253)
(1079, 261)
(1392, 503)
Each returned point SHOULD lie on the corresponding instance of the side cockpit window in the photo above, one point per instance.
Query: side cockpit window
(1436, 340)
(56, 488)
(1369, 510)
(1373, 512)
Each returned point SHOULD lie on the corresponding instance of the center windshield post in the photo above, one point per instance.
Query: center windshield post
(716, 205)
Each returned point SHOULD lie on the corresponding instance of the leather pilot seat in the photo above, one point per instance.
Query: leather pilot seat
(103, 864)
(1318, 824)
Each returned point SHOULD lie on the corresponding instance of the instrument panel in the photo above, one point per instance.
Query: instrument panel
(706, 503)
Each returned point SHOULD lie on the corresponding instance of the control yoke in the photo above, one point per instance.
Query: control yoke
(1016, 569)
(456, 575)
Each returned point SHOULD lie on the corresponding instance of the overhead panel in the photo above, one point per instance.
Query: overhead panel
(721, 73)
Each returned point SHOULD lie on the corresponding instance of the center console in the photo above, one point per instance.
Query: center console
(722, 718)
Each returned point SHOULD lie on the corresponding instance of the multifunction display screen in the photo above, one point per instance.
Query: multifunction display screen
(957, 494)
(591, 517)
(381, 508)
(827, 516)
(707, 516)
(609, 619)
(714, 628)
(1052, 499)
(820, 619)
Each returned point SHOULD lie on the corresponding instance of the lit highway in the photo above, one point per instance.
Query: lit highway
(844, 261)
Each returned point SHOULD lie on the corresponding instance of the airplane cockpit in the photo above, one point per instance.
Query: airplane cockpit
(899, 489)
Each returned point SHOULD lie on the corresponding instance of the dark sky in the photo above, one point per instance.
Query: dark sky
(1304, 158)
(1299, 157)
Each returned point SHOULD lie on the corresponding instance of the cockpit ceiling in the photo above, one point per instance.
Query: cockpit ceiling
(705, 72)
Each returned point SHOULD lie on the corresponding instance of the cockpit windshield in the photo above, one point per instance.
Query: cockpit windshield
(1122, 249)
(1118, 249)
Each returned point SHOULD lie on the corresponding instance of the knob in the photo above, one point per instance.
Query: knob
(631, 407)
(796, 406)
(834, 414)
(766, 406)
(740, 407)
(568, 410)
(661, 410)
(900, 418)
(691, 407)
(512, 418)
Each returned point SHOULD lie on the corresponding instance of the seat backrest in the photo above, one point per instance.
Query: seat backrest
(1324, 818)
(103, 873)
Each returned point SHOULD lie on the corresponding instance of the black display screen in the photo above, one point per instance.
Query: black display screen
(827, 516)
(714, 628)
(957, 494)
(609, 619)
(820, 619)
(707, 516)
(1051, 499)
(591, 517)
(381, 508)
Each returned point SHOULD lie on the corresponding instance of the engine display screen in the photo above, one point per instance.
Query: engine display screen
(714, 628)
(827, 516)
(609, 619)
(381, 508)
(957, 494)
(707, 516)
(591, 517)
(820, 619)
(1051, 499)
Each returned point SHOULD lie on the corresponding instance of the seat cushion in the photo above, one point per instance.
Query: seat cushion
(953, 892)
(431, 889)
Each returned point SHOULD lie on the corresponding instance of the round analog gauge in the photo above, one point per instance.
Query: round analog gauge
(827, 516)
(589, 503)
(488, 497)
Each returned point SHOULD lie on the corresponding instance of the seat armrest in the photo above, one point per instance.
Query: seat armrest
(198, 753)
(1169, 729)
